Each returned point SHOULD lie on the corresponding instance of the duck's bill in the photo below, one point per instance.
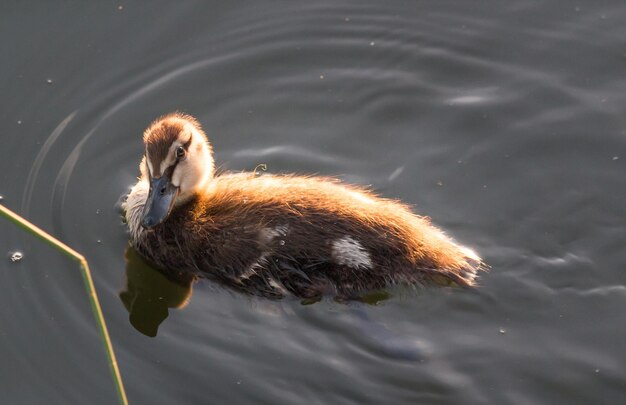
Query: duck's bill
(160, 202)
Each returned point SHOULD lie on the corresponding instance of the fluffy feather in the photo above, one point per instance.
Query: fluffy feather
(272, 235)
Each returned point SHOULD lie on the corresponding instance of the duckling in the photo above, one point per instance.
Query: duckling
(278, 235)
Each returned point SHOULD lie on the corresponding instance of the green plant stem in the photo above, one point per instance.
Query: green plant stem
(91, 291)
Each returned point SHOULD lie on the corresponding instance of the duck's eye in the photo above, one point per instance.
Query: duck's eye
(180, 152)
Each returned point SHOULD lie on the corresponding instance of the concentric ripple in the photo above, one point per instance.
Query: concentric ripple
(503, 122)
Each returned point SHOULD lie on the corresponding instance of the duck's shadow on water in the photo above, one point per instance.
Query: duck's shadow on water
(149, 294)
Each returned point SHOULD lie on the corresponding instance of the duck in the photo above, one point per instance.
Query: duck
(278, 235)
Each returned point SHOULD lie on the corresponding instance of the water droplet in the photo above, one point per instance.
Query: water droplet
(238, 382)
(347, 19)
(49, 81)
(16, 256)
(1, 198)
(322, 77)
(281, 242)
(98, 211)
(99, 241)
(120, 7)
(615, 157)
(597, 370)
(19, 122)
(502, 331)
(440, 183)
(372, 43)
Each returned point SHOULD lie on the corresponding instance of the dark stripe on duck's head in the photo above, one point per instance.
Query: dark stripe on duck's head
(158, 140)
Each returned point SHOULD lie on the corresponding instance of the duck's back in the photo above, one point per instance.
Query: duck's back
(276, 234)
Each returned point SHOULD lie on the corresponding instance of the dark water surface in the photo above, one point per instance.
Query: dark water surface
(503, 121)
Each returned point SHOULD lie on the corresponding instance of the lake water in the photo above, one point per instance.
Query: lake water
(503, 121)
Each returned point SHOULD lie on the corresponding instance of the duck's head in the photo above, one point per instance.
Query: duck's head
(177, 163)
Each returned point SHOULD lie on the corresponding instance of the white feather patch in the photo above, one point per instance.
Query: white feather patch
(254, 267)
(348, 251)
(266, 235)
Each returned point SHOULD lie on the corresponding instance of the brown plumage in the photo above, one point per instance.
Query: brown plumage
(274, 235)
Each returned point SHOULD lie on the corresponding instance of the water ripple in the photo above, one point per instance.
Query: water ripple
(482, 116)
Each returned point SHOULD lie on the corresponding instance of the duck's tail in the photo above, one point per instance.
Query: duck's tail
(464, 273)
(471, 265)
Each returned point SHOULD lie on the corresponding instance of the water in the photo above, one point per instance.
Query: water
(504, 122)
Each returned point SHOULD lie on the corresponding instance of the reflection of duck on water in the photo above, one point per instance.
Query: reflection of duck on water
(149, 293)
(275, 235)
